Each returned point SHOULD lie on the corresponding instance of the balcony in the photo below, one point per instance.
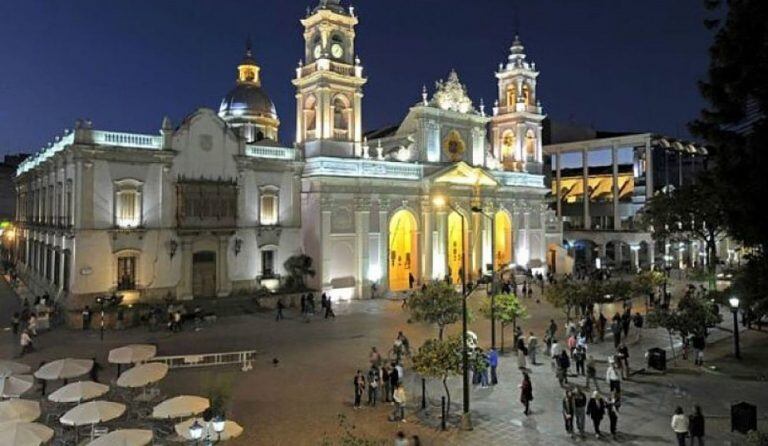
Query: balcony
(267, 152)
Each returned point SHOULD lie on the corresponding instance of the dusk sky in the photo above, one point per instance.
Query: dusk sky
(616, 64)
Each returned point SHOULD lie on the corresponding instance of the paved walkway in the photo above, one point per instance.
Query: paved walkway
(297, 402)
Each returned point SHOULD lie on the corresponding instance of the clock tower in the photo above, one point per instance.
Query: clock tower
(329, 84)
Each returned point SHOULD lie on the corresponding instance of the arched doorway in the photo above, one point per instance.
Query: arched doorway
(455, 247)
(502, 252)
(403, 246)
(204, 274)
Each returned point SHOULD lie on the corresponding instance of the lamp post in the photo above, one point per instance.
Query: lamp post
(100, 301)
(478, 210)
(196, 431)
(734, 301)
(219, 423)
(466, 420)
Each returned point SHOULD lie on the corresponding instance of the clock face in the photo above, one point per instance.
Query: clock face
(318, 51)
(337, 51)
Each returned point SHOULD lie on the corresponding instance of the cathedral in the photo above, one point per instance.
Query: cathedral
(215, 205)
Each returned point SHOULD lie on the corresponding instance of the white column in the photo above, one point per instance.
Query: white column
(615, 186)
(440, 258)
(384, 242)
(558, 184)
(325, 245)
(585, 186)
(648, 169)
(362, 230)
(426, 238)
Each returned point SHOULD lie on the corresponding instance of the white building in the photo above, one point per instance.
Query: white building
(215, 206)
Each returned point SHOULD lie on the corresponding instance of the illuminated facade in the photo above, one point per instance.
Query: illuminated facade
(214, 206)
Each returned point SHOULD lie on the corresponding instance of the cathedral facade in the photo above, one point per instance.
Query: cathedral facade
(215, 205)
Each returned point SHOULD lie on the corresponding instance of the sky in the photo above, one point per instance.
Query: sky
(618, 65)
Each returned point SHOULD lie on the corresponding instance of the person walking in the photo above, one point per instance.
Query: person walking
(373, 385)
(493, 362)
(626, 320)
(616, 330)
(563, 364)
(569, 410)
(526, 393)
(359, 385)
(612, 408)
(15, 323)
(533, 347)
(303, 304)
(329, 308)
(26, 343)
(579, 357)
(580, 408)
(554, 352)
(395, 375)
(374, 357)
(522, 350)
(87, 318)
(638, 321)
(280, 308)
(601, 323)
(387, 384)
(696, 426)
(612, 377)
(680, 426)
(400, 399)
(596, 411)
(592, 372)
(623, 359)
(405, 343)
(94, 373)
(698, 342)
(32, 324)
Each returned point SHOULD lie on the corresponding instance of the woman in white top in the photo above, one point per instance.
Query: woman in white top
(680, 425)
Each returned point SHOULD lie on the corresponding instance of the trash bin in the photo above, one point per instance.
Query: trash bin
(657, 359)
(743, 417)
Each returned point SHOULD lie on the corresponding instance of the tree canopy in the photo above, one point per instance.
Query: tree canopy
(693, 315)
(507, 309)
(438, 303)
(439, 359)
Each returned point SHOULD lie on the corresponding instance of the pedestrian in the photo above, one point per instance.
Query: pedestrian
(569, 410)
(579, 357)
(571, 344)
(388, 389)
(400, 399)
(406, 344)
(87, 318)
(616, 330)
(280, 308)
(26, 343)
(623, 358)
(43, 383)
(394, 378)
(596, 411)
(373, 385)
(303, 303)
(601, 323)
(400, 439)
(411, 280)
(638, 321)
(626, 318)
(580, 408)
(311, 303)
(698, 342)
(680, 426)
(589, 329)
(563, 364)
(612, 408)
(493, 362)
(359, 384)
(329, 308)
(522, 351)
(518, 334)
(400, 372)
(15, 323)
(483, 356)
(32, 324)
(94, 373)
(374, 357)
(555, 350)
(533, 347)
(552, 330)
(696, 426)
(612, 377)
(592, 372)
(526, 392)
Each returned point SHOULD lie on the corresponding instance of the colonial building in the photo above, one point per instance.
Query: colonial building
(215, 205)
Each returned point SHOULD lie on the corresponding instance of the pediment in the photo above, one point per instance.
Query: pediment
(463, 174)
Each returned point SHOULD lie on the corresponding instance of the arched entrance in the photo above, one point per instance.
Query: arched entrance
(455, 247)
(502, 252)
(204, 274)
(403, 246)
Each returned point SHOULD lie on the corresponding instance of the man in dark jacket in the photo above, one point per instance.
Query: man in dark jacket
(568, 411)
(596, 411)
(580, 408)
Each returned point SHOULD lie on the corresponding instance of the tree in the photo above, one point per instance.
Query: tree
(734, 126)
(693, 316)
(692, 211)
(647, 282)
(439, 359)
(298, 266)
(438, 303)
(564, 294)
(507, 309)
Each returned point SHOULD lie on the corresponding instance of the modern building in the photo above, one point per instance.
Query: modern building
(602, 180)
(215, 205)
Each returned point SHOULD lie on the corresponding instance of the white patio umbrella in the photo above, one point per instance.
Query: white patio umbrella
(180, 406)
(13, 386)
(66, 368)
(124, 437)
(8, 368)
(143, 374)
(131, 354)
(231, 429)
(78, 391)
(19, 410)
(24, 434)
(92, 412)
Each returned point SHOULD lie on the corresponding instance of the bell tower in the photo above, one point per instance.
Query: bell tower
(517, 114)
(329, 84)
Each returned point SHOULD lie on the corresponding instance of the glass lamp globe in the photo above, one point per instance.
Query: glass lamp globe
(196, 430)
(734, 301)
(219, 424)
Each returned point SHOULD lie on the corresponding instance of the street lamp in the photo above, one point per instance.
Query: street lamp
(100, 301)
(219, 423)
(466, 420)
(734, 301)
(478, 210)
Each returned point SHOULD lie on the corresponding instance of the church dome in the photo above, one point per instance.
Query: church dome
(247, 100)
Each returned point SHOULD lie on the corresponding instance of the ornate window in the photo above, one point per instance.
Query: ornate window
(341, 117)
(310, 116)
(527, 94)
(530, 146)
(511, 95)
(269, 210)
(127, 203)
(267, 263)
